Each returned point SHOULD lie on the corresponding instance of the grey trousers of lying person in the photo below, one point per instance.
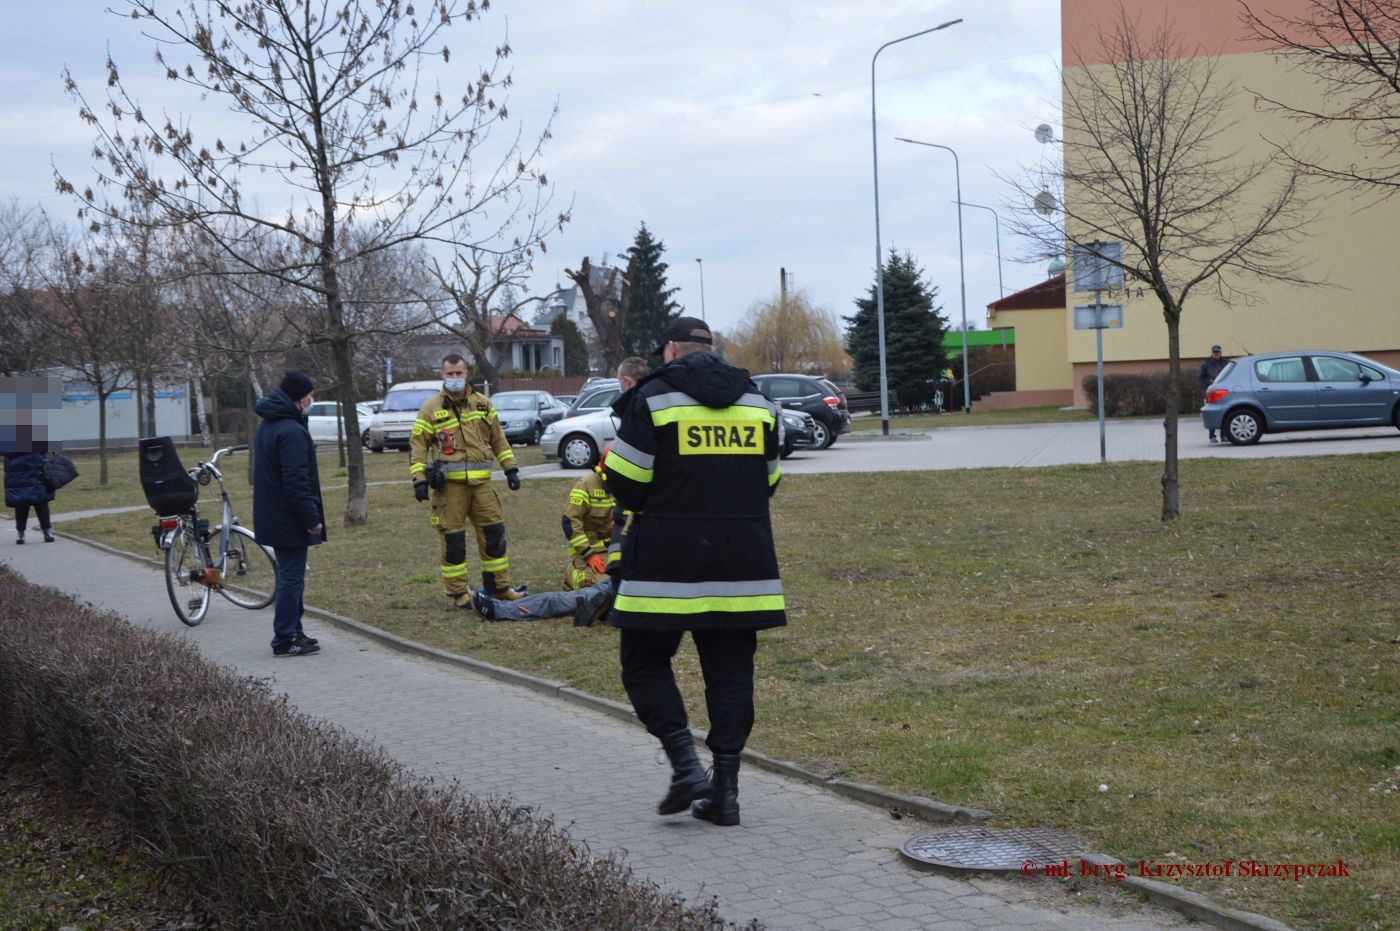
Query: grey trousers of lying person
(546, 604)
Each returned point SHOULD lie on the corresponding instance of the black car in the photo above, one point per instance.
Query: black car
(813, 395)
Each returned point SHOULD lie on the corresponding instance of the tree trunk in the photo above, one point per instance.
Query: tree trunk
(150, 404)
(1171, 486)
(214, 414)
(137, 395)
(248, 414)
(356, 510)
(201, 415)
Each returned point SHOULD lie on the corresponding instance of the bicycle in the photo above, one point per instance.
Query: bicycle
(244, 572)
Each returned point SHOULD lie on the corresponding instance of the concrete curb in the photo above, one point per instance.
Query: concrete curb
(1198, 906)
(1193, 904)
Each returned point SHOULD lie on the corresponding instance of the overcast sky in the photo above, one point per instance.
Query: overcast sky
(738, 130)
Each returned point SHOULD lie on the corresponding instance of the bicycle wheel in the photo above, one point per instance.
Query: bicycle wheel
(184, 558)
(250, 571)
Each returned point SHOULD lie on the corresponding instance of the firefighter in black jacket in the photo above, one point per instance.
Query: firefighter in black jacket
(696, 459)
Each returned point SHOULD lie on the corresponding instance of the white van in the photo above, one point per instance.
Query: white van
(394, 422)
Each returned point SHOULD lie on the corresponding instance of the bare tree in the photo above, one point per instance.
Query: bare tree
(606, 296)
(473, 282)
(26, 341)
(789, 333)
(89, 315)
(1351, 48)
(344, 125)
(1147, 164)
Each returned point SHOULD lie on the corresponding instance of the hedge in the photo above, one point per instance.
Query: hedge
(1142, 393)
(278, 819)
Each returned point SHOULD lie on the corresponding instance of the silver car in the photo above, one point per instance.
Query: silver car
(1303, 390)
(575, 441)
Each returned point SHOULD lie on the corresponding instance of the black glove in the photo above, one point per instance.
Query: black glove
(513, 479)
(420, 491)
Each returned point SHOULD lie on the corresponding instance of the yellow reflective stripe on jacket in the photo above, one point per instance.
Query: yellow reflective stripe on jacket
(421, 427)
(616, 463)
(579, 543)
(699, 597)
(722, 603)
(417, 467)
(503, 455)
(775, 472)
(736, 414)
(578, 496)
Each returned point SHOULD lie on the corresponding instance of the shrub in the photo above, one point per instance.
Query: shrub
(1138, 394)
(276, 817)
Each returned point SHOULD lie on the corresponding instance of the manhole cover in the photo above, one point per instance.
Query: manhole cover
(991, 849)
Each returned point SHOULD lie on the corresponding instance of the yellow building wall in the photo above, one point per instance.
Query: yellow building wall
(1041, 360)
(1351, 245)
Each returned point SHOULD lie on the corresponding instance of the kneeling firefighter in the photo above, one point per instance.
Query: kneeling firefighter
(456, 442)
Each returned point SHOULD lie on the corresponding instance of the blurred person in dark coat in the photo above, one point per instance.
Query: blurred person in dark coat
(25, 488)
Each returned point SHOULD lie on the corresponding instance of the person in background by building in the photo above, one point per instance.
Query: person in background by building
(459, 429)
(696, 459)
(1209, 371)
(288, 514)
(25, 488)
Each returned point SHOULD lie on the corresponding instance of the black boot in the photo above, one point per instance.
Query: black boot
(688, 780)
(592, 605)
(721, 804)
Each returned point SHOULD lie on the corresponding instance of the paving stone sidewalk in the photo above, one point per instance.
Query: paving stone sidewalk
(803, 858)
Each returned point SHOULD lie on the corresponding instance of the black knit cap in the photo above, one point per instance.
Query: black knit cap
(685, 330)
(296, 385)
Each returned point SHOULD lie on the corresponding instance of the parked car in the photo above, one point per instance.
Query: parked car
(525, 414)
(323, 420)
(597, 395)
(1302, 390)
(575, 441)
(394, 422)
(814, 395)
(799, 431)
(566, 399)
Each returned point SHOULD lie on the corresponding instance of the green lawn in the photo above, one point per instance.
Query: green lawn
(123, 488)
(1010, 639)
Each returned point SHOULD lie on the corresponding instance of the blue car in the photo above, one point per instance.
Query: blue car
(1303, 390)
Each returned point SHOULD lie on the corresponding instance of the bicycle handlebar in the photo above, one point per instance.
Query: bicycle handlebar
(213, 460)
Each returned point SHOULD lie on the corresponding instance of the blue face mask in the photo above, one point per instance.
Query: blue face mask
(454, 385)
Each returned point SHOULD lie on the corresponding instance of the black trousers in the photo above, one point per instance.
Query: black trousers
(726, 659)
(41, 510)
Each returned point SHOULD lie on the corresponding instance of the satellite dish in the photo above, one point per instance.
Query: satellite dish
(1044, 133)
(1045, 203)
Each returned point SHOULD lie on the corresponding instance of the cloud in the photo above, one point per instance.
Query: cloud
(739, 131)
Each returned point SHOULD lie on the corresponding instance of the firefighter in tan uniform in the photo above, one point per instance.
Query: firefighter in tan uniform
(588, 526)
(459, 429)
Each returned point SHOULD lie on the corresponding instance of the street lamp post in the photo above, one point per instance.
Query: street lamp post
(879, 251)
(962, 274)
(1000, 287)
(701, 263)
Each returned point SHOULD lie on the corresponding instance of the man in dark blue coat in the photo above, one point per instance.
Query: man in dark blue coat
(287, 511)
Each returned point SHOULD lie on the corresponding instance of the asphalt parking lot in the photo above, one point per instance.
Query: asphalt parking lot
(1048, 444)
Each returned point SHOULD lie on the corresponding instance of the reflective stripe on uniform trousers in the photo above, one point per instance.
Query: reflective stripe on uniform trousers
(699, 597)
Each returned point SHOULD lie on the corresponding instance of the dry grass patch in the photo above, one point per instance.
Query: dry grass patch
(1011, 638)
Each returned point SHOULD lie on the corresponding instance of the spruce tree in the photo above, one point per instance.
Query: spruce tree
(575, 349)
(650, 307)
(914, 328)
